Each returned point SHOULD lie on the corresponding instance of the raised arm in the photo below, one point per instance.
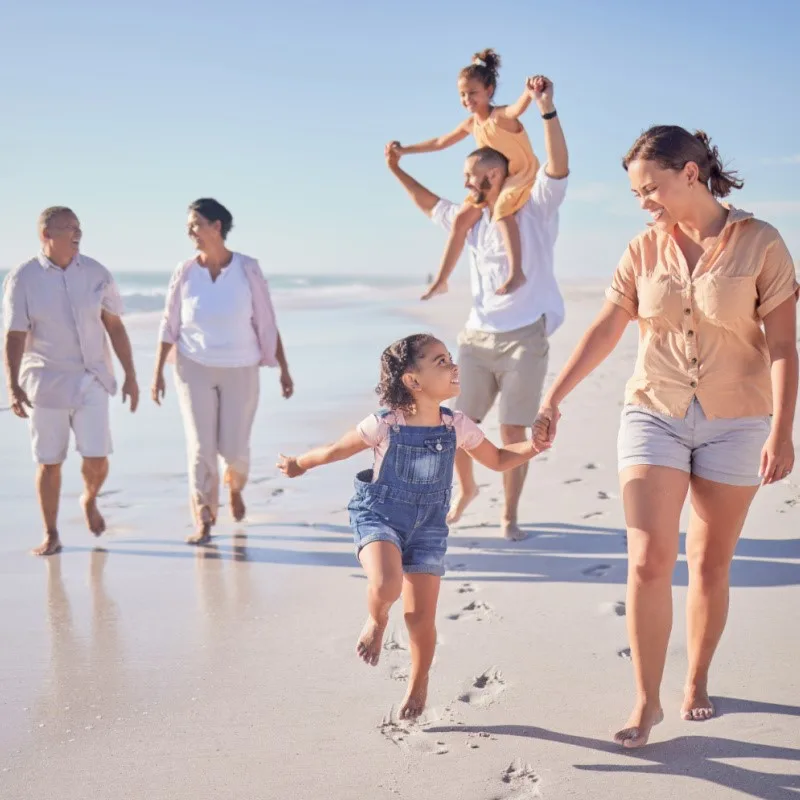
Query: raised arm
(540, 89)
(516, 110)
(439, 143)
(424, 199)
(350, 444)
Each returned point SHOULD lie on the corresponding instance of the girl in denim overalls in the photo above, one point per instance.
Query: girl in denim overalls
(399, 508)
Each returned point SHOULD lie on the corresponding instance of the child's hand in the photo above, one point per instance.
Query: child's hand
(544, 427)
(540, 90)
(392, 154)
(289, 467)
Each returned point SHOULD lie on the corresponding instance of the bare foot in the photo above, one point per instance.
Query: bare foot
(370, 641)
(50, 546)
(637, 730)
(460, 503)
(697, 705)
(513, 532)
(202, 534)
(414, 702)
(439, 287)
(94, 519)
(512, 284)
(238, 509)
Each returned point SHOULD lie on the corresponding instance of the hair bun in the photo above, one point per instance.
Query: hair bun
(488, 59)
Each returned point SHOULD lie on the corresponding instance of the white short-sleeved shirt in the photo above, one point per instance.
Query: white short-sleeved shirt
(374, 432)
(217, 318)
(489, 268)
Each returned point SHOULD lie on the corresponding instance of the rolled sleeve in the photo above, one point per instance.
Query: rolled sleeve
(548, 193)
(622, 291)
(15, 305)
(776, 281)
(112, 299)
(443, 214)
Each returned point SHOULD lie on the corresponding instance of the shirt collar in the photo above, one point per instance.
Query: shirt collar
(46, 263)
(735, 215)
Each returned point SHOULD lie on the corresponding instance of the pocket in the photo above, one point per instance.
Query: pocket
(657, 295)
(724, 299)
(422, 464)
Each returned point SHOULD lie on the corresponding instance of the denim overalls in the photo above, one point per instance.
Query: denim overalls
(409, 501)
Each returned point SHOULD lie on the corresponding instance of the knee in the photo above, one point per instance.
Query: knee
(94, 466)
(49, 470)
(651, 564)
(708, 570)
(387, 588)
(513, 434)
(420, 620)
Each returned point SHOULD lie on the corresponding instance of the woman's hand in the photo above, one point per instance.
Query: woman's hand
(540, 90)
(777, 458)
(544, 426)
(289, 467)
(287, 384)
(159, 388)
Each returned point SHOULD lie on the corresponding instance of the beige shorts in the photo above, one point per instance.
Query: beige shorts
(512, 364)
(50, 428)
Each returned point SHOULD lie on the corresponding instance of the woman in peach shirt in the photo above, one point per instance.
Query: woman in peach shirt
(710, 406)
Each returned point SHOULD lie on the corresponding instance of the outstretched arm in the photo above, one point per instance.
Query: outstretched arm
(503, 458)
(540, 89)
(424, 199)
(350, 444)
(439, 143)
(516, 110)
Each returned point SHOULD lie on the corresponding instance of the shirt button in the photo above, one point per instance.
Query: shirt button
(693, 384)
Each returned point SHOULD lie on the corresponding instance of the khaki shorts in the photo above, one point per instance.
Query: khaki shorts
(50, 428)
(512, 364)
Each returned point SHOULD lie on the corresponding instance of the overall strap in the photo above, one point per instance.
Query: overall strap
(448, 418)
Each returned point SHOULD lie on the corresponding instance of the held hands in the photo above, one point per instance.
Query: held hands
(777, 459)
(544, 427)
(19, 399)
(540, 90)
(289, 467)
(392, 153)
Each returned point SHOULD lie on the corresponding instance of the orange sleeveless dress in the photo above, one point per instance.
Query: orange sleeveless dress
(523, 165)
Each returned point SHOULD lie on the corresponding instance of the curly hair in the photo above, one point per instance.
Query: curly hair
(396, 360)
(484, 68)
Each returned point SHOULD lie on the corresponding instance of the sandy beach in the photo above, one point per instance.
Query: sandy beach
(137, 667)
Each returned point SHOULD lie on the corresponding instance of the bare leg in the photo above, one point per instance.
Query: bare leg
(509, 230)
(513, 481)
(466, 217)
(48, 487)
(420, 595)
(95, 472)
(384, 567)
(467, 488)
(653, 498)
(717, 517)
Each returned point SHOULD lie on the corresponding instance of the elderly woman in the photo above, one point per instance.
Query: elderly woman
(710, 407)
(220, 320)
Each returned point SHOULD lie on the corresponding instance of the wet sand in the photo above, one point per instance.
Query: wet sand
(135, 666)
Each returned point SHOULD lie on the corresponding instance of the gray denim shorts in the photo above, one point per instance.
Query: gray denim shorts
(720, 450)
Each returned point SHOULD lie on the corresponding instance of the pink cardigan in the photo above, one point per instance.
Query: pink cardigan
(263, 314)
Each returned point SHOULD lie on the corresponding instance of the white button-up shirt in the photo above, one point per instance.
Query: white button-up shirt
(489, 269)
(60, 311)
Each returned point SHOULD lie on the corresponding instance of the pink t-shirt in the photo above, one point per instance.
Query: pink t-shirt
(374, 431)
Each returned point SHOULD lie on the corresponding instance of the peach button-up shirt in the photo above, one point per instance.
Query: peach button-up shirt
(701, 333)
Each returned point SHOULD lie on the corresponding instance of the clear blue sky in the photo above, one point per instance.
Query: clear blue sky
(127, 112)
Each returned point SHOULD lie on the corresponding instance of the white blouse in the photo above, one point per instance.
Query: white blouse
(217, 318)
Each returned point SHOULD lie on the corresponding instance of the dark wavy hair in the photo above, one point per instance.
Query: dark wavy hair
(484, 68)
(396, 360)
(210, 209)
(673, 147)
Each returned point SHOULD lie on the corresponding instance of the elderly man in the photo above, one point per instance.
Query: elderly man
(58, 308)
(503, 348)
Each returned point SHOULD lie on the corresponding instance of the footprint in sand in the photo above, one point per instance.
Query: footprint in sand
(466, 588)
(619, 608)
(625, 653)
(590, 465)
(590, 514)
(394, 642)
(603, 495)
(573, 480)
(477, 610)
(410, 735)
(521, 780)
(485, 689)
(400, 673)
(276, 492)
(597, 571)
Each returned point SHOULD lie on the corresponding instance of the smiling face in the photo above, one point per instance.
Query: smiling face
(203, 232)
(434, 374)
(475, 97)
(480, 180)
(666, 194)
(61, 238)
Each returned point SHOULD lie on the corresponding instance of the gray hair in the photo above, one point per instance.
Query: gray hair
(49, 214)
(490, 158)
